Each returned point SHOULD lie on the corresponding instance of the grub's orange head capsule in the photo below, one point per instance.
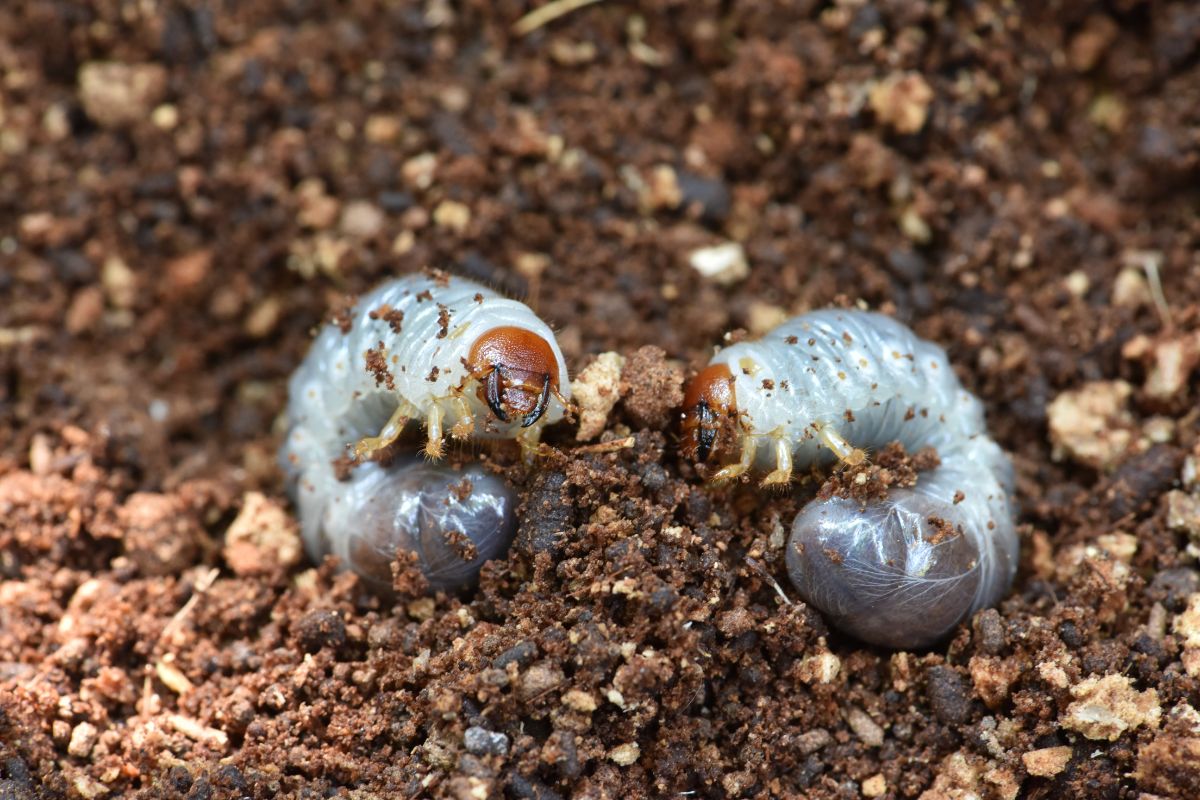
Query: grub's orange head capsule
(709, 406)
(517, 370)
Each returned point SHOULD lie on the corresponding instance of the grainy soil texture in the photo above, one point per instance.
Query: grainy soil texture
(189, 189)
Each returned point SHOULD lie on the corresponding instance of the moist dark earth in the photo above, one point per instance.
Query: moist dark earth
(188, 190)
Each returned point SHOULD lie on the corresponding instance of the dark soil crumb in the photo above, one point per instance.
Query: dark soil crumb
(319, 629)
(443, 321)
(394, 317)
(191, 189)
(871, 480)
(652, 388)
(461, 544)
(341, 313)
(407, 578)
(461, 490)
(377, 365)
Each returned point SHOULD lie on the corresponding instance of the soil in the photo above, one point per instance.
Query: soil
(189, 189)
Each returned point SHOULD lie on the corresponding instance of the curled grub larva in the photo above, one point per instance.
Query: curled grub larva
(428, 348)
(829, 386)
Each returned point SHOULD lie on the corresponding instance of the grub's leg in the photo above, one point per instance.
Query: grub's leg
(569, 408)
(464, 426)
(529, 439)
(366, 448)
(433, 432)
(749, 450)
(782, 475)
(846, 452)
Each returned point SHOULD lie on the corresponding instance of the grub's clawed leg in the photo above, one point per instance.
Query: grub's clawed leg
(782, 474)
(529, 439)
(464, 425)
(568, 407)
(846, 452)
(749, 449)
(433, 432)
(367, 448)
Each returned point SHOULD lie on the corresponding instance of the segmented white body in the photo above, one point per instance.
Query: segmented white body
(336, 399)
(882, 572)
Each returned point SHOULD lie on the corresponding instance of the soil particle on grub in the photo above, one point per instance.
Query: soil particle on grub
(194, 189)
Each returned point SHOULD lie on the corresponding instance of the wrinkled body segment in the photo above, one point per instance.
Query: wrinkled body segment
(836, 384)
(426, 349)
(453, 521)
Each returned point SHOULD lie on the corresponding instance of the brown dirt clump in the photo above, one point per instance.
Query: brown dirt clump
(189, 190)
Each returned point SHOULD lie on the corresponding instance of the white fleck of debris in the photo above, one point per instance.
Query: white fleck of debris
(210, 737)
(172, 677)
(864, 727)
(159, 410)
(595, 391)
(361, 219)
(723, 263)
(452, 215)
(117, 95)
(262, 537)
(418, 171)
(1106, 707)
(875, 786)
(822, 667)
(83, 738)
(625, 754)
(1092, 424)
(1046, 762)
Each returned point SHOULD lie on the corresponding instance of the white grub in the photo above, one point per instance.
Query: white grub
(833, 385)
(427, 348)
